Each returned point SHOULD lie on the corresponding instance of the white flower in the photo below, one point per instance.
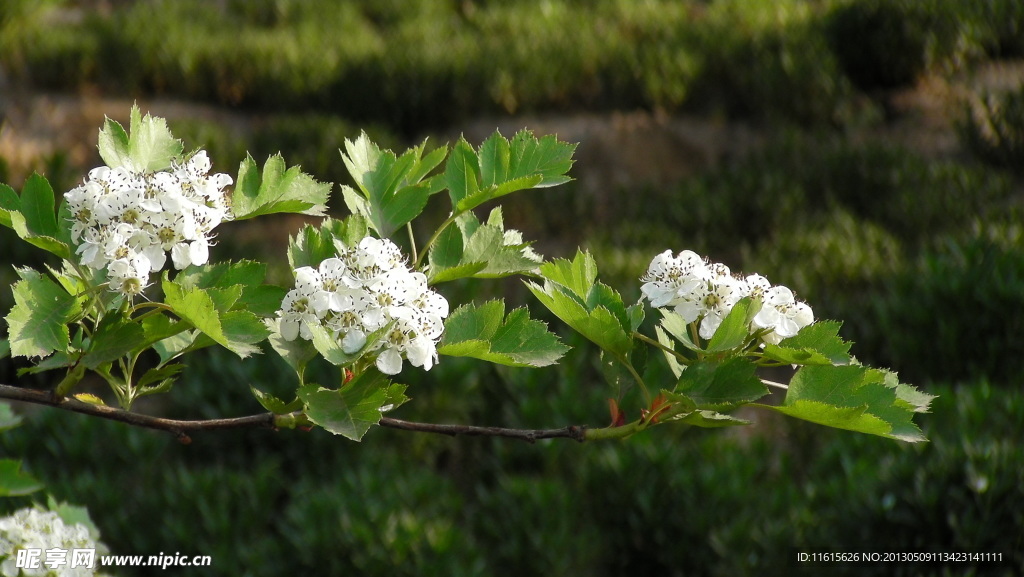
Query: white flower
(363, 289)
(32, 528)
(706, 292)
(121, 210)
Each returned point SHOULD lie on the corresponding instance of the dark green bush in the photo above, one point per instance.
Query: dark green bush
(995, 132)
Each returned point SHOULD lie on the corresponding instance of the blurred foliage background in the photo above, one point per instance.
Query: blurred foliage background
(867, 153)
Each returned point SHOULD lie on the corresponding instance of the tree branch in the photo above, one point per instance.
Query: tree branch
(181, 428)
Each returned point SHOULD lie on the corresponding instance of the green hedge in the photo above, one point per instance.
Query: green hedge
(414, 66)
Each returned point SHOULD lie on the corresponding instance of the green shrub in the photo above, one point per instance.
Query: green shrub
(995, 132)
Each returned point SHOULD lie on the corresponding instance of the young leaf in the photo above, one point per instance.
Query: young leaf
(735, 327)
(115, 337)
(481, 333)
(274, 404)
(14, 482)
(711, 419)
(236, 331)
(277, 189)
(472, 249)
(353, 409)
(391, 187)
(38, 321)
(502, 167)
(113, 145)
(721, 385)
(311, 246)
(850, 397)
(150, 147)
(818, 343)
(32, 216)
(592, 309)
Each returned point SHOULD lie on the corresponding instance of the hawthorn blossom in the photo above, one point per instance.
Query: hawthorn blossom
(364, 289)
(128, 220)
(703, 292)
(34, 529)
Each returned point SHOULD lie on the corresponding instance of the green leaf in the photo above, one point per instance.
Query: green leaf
(8, 420)
(391, 187)
(114, 145)
(711, 420)
(735, 328)
(461, 173)
(472, 249)
(161, 375)
(502, 167)
(721, 385)
(238, 286)
(236, 331)
(114, 338)
(675, 325)
(274, 404)
(32, 216)
(674, 365)
(14, 482)
(151, 146)
(816, 344)
(72, 515)
(37, 205)
(594, 310)
(277, 189)
(38, 321)
(851, 397)
(481, 333)
(353, 409)
(311, 246)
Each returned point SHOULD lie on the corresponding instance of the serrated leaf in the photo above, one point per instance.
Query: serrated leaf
(38, 321)
(850, 397)
(675, 325)
(311, 246)
(502, 167)
(461, 173)
(14, 482)
(592, 309)
(89, 399)
(482, 333)
(674, 365)
(160, 374)
(222, 275)
(721, 385)
(276, 189)
(735, 327)
(37, 205)
(196, 307)
(390, 185)
(274, 404)
(480, 250)
(353, 409)
(113, 145)
(151, 146)
(115, 337)
(711, 420)
(813, 343)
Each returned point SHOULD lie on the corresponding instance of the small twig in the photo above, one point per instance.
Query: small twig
(180, 428)
(574, 432)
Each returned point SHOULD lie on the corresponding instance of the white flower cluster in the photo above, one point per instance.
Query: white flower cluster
(697, 289)
(363, 289)
(127, 221)
(31, 528)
